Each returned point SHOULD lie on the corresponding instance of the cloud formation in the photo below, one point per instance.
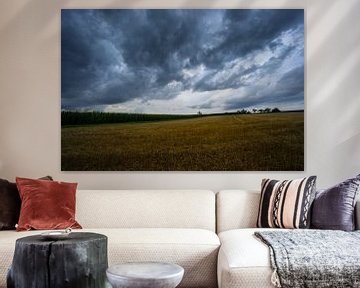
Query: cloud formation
(180, 61)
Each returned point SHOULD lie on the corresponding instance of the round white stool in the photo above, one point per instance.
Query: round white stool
(145, 275)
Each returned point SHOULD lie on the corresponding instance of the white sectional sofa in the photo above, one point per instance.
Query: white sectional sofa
(177, 226)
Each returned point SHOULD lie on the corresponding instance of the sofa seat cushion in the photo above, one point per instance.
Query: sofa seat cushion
(244, 261)
(194, 249)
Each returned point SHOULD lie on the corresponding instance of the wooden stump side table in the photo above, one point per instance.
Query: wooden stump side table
(78, 261)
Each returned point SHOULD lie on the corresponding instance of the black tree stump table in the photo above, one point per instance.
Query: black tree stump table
(79, 261)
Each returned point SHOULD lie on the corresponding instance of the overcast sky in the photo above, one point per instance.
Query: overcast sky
(182, 61)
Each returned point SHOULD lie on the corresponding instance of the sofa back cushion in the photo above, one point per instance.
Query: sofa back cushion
(236, 209)
(146, 209)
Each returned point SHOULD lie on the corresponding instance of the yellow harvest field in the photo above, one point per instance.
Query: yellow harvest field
(255, 142)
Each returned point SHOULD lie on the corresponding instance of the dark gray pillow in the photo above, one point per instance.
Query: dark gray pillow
(9, 205)
(334, 208)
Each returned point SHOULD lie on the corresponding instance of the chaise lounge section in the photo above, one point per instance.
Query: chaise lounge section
(244, 260)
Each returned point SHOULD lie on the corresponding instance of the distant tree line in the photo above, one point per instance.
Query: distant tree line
(84, 118)
(259, 111)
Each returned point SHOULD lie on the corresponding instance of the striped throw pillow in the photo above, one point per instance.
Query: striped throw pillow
(286, 204)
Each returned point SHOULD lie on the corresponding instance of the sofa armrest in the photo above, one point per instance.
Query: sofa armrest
(357, 215)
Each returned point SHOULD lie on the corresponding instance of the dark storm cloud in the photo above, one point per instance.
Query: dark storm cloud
(249, 30)
(114, 56)
(289, 89)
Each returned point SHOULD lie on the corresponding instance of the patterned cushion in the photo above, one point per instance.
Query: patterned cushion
(286, 204)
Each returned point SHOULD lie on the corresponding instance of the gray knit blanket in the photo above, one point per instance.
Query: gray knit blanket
(313, 258)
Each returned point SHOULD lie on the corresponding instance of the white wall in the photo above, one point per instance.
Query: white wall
(30, 94)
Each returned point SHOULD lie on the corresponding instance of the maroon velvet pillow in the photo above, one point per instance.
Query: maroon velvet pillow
(46, 204)
(10, 204)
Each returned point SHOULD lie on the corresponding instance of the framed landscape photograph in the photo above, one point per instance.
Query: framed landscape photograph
(182, 90)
